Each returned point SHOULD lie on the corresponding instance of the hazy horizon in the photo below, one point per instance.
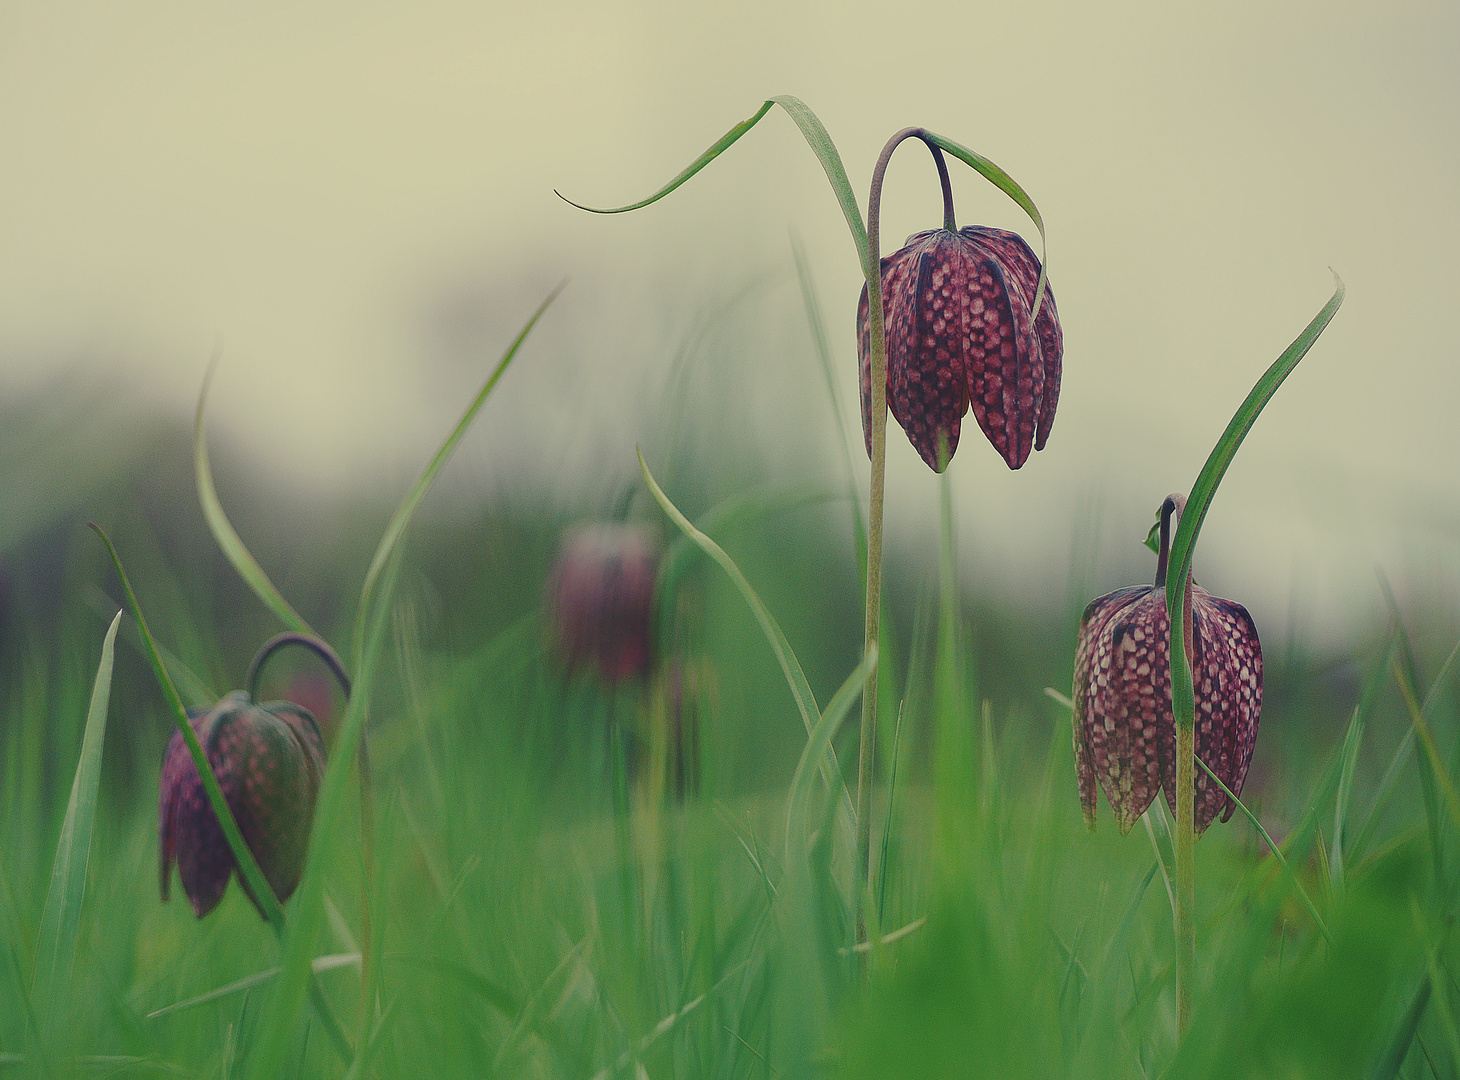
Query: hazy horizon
(361, 213)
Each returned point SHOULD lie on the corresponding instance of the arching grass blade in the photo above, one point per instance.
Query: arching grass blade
(799, 802)
(785, 656)
(816, 137)
(1010, 187)
(407, 509)
(222, 529)
(1271, 846)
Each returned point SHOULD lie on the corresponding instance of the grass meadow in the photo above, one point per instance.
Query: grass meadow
(550, 875)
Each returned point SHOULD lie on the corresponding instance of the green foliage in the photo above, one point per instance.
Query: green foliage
(541, 906)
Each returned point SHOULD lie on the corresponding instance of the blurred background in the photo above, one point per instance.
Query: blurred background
(357, 209)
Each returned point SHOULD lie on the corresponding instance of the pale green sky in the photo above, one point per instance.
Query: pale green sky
(305, 183)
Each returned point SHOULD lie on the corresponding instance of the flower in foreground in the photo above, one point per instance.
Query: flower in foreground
(1125, 733)
(958, 311)
(601, 599)
(269, 761)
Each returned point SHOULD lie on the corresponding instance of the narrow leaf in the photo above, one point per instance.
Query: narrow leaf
(407, 509)
(1349, 758)
(816, 137)
(723, 143)
(798, 805)
(1183, 700)
(61, 917)
(1378, 676)
(1277, 851)
(1127, 919)
(790, 666)
(1005, 183)
(822, 346)
(831, 163)
(320, 964)
(222, 529)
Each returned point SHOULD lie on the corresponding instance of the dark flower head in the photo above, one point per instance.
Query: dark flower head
(957, 309)
(269, 760)
(601, 599)
(1125, 733)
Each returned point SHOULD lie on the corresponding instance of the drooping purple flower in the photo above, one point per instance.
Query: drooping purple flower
(601, 599)
(269, 760)
(957, 310)
(1124, 728)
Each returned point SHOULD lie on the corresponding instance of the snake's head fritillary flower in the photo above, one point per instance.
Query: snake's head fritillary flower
(1125, 732)
(269, 761)
(961, 331)
(601, 599)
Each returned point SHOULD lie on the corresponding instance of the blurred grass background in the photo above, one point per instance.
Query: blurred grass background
(530, 922)
(361, 209)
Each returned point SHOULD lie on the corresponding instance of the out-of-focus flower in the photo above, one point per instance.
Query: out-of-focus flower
(601, 599)
(1125, 733)
(957, 309)
(269, 760)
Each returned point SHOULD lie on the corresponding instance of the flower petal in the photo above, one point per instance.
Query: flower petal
(1092, 625)
(1022, 268)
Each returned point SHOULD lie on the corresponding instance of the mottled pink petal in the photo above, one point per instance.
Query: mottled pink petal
(957, 311)
(269, 761)
(1125, 732)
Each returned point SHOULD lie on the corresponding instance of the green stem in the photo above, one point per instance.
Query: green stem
(877, 332)
(1180, 647)
(320, 649)
(1185, 875)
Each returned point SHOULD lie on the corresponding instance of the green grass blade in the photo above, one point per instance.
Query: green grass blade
(733, 513)
(1005, 183)
(1389, 1062)
(785, 656)
(831, 163)
(1355, 850)
(222, 529)
(1199, 501)
(1349, 758)
(822, 346)
(723, 143)
(1127, 919)
(242, 855)
(1441, 774)
(798, 805)
(258, 978)
(1277, 851)
(1158, 828)
(61, 917)
(816, 137)
(407, 509)
(280, 1019)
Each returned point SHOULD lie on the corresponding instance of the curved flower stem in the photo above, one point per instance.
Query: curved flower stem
(949, 221)
(336, 666)
(330, 658)
(876, 488)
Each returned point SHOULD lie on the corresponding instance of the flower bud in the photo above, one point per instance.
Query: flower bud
(1124, 728)
(269, 761)
(957, 311)
(601, 599)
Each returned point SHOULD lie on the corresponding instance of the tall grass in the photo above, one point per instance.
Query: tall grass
(541, 905)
